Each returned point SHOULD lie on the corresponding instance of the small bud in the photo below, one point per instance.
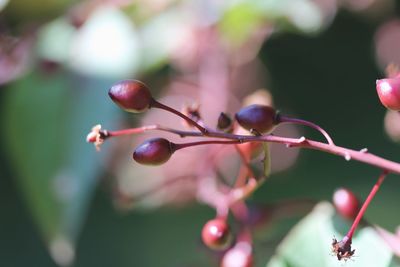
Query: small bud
(257, 117)
(131, 95)
(193, 112)
(389, 92)
(224, 121)
(154, 151)
(216, 234)
(346, 203)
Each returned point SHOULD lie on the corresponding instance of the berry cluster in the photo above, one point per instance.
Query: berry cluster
(257, 121)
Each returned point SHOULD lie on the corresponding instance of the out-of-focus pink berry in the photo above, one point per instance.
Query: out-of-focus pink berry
(389, 92)
(346, 203)
(238, 256)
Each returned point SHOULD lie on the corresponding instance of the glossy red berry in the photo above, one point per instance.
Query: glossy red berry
(131, 95)
(389, 92)
(154, 151)
(346, 203)
(216, 234)
(258, 117)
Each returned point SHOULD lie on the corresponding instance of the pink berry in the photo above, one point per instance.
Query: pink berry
(216, 234)
(131, 95)
(238, 256)
(346, 203)
(389, 92)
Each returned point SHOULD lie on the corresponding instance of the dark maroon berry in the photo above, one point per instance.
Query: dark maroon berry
(257, 117)
(131, 95)
(346, 203)
(389, 92)
(154, 151)
(224, 121)
(216, 234)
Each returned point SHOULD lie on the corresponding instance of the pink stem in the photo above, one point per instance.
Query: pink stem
(159, 105)
(348, 154)
(306, 123)
(365, 205)
(143, 129)
(209, 142)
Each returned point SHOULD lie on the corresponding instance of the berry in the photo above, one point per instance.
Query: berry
(216, 234)
(346, 203)
(257, 117)
(238, 256)
(389, 92)
(154, 151)
(131, 95)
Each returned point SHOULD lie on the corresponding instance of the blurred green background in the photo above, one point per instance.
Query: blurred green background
(319, 60)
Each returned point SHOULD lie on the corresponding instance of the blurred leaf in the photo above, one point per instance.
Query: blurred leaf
(55, 39)
(38, 10)
(160, 35)
(240, 21)
(3, 3)
(309, 244)
(242, 18)
(46, 124)
(106, 45)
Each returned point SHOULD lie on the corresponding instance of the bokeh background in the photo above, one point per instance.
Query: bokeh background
(62, 203)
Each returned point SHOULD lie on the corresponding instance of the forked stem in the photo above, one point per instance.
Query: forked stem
(285, 119)
(156, 104)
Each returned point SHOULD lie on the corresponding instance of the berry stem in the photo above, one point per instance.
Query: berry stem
(209, 142)
(156, 104)
(371, 195)
(284, 119)
(143, 129)
(348, 154)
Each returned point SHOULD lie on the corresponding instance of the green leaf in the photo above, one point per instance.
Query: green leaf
(46, 122)
(309, 243)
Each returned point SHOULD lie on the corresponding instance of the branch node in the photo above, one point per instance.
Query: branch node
(301, 140)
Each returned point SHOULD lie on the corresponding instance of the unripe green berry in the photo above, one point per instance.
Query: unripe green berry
(131, 95)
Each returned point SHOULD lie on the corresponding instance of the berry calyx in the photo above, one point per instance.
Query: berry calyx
(154, 151)
(389, 92)
(216, 234)
(257, 117)
(346, 203)
(342, 249)
(131, 95)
